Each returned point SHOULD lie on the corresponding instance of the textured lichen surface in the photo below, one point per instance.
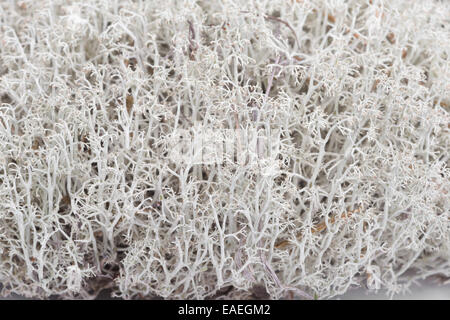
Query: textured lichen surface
(93, 93)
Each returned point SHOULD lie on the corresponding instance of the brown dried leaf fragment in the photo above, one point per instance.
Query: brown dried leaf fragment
(391, 37)
(129, 103)
(331, 18)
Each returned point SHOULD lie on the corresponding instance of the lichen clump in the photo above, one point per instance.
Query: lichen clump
(95, 192)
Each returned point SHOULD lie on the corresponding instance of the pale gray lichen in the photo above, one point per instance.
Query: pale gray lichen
(93, 196)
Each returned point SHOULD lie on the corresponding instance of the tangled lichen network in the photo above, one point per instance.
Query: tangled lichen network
(326, 167)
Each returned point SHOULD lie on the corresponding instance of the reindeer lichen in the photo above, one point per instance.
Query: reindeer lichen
(223, 148)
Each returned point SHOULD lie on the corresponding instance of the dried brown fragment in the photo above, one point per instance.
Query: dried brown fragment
(391, 37)
(404, 53)
(369, 277)
(331, 18)
(84, 144)
(98, 234)
(129, 102)
(363, 252)
(65, 201)
(443, 104)
(64, 204)
(37, 143)
(259, 292)
(375, 84)
(132, 63)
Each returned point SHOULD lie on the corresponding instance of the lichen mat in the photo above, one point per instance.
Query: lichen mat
(223, 149)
